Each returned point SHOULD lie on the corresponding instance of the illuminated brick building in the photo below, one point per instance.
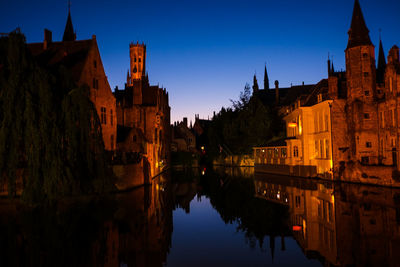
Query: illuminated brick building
(143, 113)
(82, 59)
(347, 126)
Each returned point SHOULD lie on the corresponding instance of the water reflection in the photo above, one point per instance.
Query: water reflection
(220, 217)
(339, 224)
(128, 229)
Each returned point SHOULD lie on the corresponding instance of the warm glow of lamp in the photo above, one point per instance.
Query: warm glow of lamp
(296, 228)
(292, 125)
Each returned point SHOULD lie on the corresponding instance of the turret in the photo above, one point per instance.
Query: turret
(137, 53)
(360, 59)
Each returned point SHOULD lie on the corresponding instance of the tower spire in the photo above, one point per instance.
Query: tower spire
(266, 80)
(255, 84)
(380, 72)
(358, 33)
(69, 34)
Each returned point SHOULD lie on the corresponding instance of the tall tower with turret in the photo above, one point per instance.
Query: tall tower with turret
(360, 59)
(361, 90)
(137, 54)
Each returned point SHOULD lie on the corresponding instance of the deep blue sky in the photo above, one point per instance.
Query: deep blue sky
(204, 52)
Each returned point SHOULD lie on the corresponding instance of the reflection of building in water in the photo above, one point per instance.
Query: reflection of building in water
(311, 210)
(367, 231)
(134, 231)
(145, 227)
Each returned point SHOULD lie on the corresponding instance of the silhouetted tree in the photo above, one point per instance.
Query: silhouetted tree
(49, 129)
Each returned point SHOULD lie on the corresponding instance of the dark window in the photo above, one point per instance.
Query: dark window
(368, 144)
(140, 59)
(155, 135)
(366, 92)
(95, 83)
(365, 160)
(365, 55)
(94, 63)
(366, 74)
(295, 151)
(103, 115)
(134, 59)
(366, 116)
(134, 138)
(297, 201)
(111, 117)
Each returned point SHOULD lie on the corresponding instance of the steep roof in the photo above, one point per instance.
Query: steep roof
(358, 33)
(72, 55)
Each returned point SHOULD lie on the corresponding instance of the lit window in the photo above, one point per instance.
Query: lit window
(103, 115)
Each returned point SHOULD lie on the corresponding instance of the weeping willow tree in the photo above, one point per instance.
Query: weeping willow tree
(49, 129)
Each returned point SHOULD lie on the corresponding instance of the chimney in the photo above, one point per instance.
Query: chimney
(185, 121)
(47, 38)
(276, 92)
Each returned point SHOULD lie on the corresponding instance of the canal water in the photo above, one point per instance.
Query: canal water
(203, 217)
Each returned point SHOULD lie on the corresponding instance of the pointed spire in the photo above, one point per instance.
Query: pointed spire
(69, 34)
(266, 80)
(380, 71)
(332, 68)
(358, 33)
(255, 84)
(128, 78)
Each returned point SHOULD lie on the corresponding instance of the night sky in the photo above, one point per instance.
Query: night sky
(204, 52)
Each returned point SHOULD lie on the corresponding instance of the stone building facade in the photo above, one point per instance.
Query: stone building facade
(144, 111)
(361, 117)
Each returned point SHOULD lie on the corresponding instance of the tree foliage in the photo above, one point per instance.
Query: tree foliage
(49, 129)
(246, 124)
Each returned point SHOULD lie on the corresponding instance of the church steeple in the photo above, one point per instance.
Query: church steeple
(255, 84)
(266, 80)
(69, 34)
(380, 71)
(358, 33)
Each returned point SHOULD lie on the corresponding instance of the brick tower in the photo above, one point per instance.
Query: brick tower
(361, 90)
(137, 54)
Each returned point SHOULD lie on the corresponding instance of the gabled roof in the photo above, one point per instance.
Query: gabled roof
(72, 55)
(358, 33)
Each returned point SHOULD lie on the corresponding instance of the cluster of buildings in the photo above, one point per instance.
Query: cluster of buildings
(135, 121)
(345, 127)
